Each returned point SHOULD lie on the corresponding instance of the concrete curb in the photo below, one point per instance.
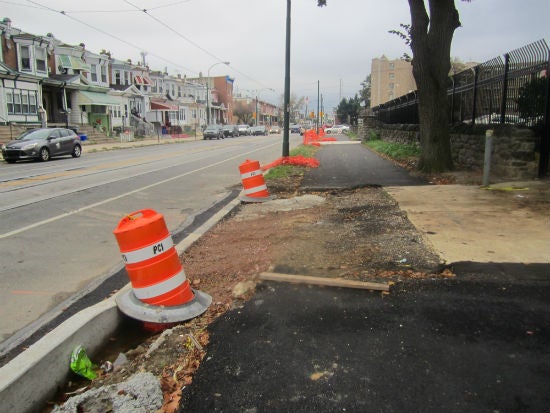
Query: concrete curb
(33, 377)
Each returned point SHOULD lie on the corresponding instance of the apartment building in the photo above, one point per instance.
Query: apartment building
(390, 79)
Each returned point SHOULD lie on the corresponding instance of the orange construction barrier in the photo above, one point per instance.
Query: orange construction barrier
(309, 136)
(151, 260)
(253, 180)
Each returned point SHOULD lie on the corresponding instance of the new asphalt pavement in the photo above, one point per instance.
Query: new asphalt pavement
(477, 342)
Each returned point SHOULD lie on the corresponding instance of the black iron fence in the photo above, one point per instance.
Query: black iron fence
(510, 89)
(507, 89)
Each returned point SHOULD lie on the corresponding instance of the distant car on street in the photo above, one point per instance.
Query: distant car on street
(274, 129)
(213, 132)
(295, 129)
(258, 130)
(244, 130)
(231, 130)
(337, 129)
(42, 144)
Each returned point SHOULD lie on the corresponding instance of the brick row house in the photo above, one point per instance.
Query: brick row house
(42, 79)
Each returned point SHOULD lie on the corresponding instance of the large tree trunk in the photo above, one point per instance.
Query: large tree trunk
(431, 38)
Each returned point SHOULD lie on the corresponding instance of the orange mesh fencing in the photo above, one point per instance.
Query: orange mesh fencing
(297, 160)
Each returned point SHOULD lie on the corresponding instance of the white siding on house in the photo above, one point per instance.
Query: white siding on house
(20, 101)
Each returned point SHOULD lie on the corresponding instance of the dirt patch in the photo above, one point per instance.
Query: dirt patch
(356, 234)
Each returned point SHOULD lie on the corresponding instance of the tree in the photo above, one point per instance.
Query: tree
(365, 92)
(531, 100)
(431, 37)
(243, 112)
(348, 110)
(296, 106)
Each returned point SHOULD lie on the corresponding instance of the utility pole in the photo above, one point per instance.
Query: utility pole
(317, 106)
(322, 111)
(286, 108)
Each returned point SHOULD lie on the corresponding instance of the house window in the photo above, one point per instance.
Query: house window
(392, 76)
(117, 77)
(32, 103)
(16, 103)
(103, 74)
(392, 66)
(9, 98)
(128, 81)
(391, 86)
(94, 72)
(25, 103)
(179, 91)
(25, 58)
(40, 59)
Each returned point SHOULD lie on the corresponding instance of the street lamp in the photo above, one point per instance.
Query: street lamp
(208, 114)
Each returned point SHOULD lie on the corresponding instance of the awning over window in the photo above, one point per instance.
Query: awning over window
(73, 62)
(142, 80)
(97, 98)
(157, 104)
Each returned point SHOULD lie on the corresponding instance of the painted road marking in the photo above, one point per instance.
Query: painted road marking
(135, 191)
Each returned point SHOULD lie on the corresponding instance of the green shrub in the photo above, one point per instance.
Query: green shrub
(397, 151)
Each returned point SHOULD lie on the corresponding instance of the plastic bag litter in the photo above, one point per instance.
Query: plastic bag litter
(81, 364)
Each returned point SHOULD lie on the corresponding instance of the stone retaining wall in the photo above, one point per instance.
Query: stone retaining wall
(514, 154)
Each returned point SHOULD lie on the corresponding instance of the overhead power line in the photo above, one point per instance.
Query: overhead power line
(146, 11)
(177, 65)
(219, 59)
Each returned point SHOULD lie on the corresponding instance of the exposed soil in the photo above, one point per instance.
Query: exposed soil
(356, 234)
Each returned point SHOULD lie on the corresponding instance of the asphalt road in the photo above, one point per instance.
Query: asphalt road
(57, 218)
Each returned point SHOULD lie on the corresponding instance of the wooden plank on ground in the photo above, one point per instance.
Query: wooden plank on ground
(332, 282)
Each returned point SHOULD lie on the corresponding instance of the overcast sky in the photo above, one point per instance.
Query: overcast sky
(333, 45)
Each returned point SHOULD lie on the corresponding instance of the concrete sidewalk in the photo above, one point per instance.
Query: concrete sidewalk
(89, 146)
(507, 222)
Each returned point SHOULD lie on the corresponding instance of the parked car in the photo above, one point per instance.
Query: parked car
(275, 129)
(213, 132)
(337, 129)
(258, 130)
(244, 130)
(230, 130)
(42, 144)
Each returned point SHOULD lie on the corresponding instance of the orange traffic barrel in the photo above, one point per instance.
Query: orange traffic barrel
(252, 178)
(151, 260)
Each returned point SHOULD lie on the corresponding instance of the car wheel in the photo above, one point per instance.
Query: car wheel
(77, 151)
(44, 154)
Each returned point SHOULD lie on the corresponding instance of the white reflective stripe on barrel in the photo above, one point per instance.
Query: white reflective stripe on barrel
(255, 189)
(150, 251)
(160, 288)
(250, 174)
